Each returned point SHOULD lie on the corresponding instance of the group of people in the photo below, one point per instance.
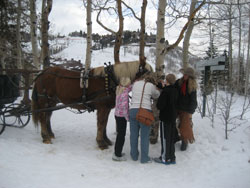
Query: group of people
(176, 100)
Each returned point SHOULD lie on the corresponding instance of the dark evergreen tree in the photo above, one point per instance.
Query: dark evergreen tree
(7, 32)
(127, 37)
(212, 51)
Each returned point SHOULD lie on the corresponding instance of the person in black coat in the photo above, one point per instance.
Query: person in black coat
(186, 105)
(167, 105)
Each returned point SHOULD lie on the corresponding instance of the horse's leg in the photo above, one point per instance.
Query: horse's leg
(102, 119)
(107, 140)
(155, 127)
(48, 124)
(44, 128)
(154, 132)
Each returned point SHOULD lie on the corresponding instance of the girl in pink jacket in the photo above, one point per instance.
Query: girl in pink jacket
(121, 116)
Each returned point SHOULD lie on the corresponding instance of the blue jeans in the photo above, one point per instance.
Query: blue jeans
(135, 128)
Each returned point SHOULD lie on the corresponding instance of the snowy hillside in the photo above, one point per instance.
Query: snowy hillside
(74, 160)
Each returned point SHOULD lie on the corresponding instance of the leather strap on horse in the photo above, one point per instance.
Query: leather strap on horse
(84, 77)
(110, 80)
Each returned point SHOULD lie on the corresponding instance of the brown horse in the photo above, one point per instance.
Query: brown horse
(57, 85)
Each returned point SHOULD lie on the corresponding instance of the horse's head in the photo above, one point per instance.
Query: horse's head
(132, 69)
(142, 70)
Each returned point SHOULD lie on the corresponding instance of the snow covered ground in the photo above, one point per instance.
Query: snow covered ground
(74, 160)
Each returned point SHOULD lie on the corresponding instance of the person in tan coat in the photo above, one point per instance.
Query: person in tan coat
(186, 105)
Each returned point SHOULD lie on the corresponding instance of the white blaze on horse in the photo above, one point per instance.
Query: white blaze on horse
(57, 85)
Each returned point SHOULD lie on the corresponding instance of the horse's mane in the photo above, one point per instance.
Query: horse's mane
(123, 69)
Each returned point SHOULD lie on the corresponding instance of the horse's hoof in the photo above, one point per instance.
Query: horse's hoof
(102, 145)
(52, 136)
(47, 142)
(109, 142)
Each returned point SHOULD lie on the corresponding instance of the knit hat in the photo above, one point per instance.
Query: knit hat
(188, 71)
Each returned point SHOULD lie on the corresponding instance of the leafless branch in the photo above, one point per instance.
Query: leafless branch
(133, 12)
(185, 28)
(101, 24)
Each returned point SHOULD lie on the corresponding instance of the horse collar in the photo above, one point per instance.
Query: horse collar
(110, 79)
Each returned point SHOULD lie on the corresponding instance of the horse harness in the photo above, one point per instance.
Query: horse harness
(110, 80)
(110, 86)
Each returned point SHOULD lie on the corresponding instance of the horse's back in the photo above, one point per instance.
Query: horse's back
(61, 83)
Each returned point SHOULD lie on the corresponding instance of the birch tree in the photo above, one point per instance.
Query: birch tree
(248, 56)
(246, 104)
(161, 49)
(18, 36)
(46, 9)
(142, 33)
(160, 37)
(33, 33)
(238, 71)
(89, 36)
(186, 40)
(230, 44)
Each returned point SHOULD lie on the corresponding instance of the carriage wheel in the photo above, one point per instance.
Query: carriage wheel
(2, 125)
(16, 115)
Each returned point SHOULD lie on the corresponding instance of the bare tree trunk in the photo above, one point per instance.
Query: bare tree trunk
(18, 36)
(3, 65)
(160, 37)
(230, 47)
(239, 49)
(188, 36)
(118, 40)
(142, 33)
(46, 9)
(248, 59)
(89, 36)
(160, 41)
(33, 33)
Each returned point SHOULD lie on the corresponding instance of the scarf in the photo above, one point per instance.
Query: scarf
(183, 87)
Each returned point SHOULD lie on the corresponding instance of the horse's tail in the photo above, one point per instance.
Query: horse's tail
(35, 115)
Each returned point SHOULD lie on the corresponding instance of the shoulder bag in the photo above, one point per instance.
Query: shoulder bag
(143, 115)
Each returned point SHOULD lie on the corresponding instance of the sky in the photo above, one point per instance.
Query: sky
(70, 15)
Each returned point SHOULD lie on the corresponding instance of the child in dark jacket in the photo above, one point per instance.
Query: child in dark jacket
(167, 105)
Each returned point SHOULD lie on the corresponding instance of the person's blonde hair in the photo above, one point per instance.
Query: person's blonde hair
(124, 82)
(150, 77)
